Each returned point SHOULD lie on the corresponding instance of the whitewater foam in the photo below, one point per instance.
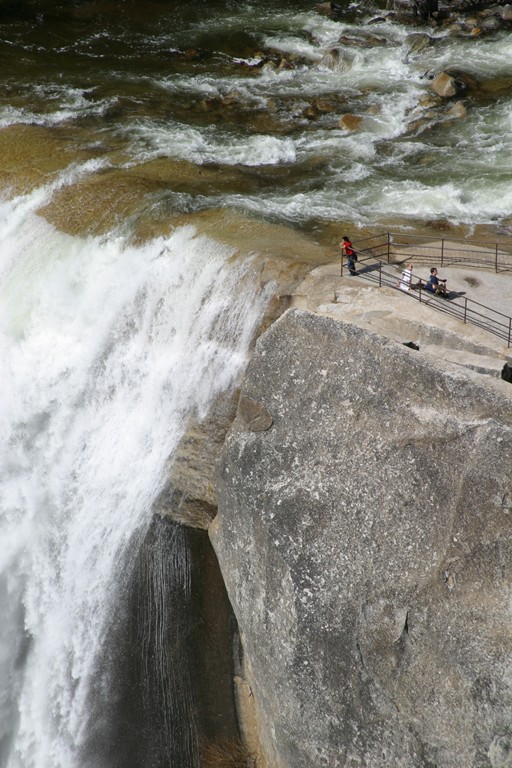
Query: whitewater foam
(108, 348)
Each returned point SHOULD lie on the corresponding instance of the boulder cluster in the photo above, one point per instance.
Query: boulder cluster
(448, 90)
(448, 93)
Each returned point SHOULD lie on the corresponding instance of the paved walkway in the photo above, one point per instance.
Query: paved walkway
(450, 252)
(397, 315)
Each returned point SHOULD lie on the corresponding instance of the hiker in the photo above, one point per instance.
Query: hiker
(348, 251)
(435, 285)
(405, 280)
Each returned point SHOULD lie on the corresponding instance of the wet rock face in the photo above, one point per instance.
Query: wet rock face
(365, 540)
(190, 495)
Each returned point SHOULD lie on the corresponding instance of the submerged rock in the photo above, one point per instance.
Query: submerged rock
(417, 42)
(458, 110)
(337, 59)
(326, 105)
(350, 122)
(32, 154)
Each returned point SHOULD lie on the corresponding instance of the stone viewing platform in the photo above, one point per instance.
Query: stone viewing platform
(398, 316)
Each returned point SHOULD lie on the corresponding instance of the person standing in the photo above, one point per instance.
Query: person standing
(348, 251)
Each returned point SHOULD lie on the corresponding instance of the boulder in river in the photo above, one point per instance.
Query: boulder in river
(417, 42)
(336, 59)
(452, 82)
(350, 122)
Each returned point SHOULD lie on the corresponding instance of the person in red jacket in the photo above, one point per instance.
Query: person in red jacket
(348, 251)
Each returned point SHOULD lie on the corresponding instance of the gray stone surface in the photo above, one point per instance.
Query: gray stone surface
(365, 541)
(487, 365)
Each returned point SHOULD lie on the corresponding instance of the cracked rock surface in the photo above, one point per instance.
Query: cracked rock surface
(365, 541)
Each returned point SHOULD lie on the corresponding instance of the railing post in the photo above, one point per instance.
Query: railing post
(380, 274)
(465, 309)
(341, 264)
(496, 260)
(389, 243)
(442, 250)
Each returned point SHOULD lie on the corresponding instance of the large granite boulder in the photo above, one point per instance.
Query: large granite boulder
(364, 535)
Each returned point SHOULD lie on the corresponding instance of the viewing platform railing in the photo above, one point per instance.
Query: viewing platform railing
(488, 319)
(399, 247)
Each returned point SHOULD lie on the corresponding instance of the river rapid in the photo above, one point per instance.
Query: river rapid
(149, 153)
(148, 112)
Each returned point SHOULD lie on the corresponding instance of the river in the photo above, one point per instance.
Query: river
(149, 96)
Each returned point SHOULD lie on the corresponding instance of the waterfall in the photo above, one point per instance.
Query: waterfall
(107, 348)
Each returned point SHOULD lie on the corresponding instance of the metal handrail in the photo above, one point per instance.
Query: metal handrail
(491, 320)
(477, 253)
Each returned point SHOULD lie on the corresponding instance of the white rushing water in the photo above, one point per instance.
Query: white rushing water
(399, 163)
(385, 168)
(106, 349)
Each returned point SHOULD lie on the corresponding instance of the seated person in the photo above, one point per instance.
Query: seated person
(435, 285)
(405, 280)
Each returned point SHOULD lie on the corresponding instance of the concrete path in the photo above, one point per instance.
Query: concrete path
(398, 315)
(449, 253)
